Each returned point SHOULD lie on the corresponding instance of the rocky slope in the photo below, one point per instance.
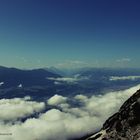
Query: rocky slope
(125, 124)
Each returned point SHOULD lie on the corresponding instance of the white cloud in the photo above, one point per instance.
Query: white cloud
(74, 79)
(13, 109)
(20, 86)
(68, 122)
(1, 83)
(81, 97)
(57, 100)
(57, 83)
(116, 78)
(64, 79)
(53, 125)
(55, 115)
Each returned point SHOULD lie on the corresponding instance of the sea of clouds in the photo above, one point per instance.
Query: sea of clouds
(63, 121)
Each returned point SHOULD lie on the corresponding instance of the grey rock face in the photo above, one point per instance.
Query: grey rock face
(125, 124)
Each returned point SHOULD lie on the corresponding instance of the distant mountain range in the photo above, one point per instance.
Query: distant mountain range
(12, 77)
(95, 71)
(45, 82)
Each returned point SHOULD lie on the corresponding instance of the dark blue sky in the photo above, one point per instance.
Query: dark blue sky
(69, 33)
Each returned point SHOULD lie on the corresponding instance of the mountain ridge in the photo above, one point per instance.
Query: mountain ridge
(12, 77)
(123, 125)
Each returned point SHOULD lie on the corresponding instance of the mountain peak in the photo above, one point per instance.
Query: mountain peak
(123, 125)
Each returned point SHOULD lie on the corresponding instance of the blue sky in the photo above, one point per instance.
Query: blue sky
(69, 33)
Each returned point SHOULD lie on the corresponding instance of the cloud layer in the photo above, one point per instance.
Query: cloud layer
(116, 78)
(16, 108)
(56, 100)
(65, 122)
(68, 80)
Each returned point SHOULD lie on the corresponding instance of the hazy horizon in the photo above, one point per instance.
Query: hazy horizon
(69, 68)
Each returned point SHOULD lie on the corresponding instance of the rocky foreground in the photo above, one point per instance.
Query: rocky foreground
(124, 125)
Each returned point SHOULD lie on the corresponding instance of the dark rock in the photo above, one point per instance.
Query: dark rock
(125, 124)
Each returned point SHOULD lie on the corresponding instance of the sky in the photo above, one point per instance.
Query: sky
(69, 33)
